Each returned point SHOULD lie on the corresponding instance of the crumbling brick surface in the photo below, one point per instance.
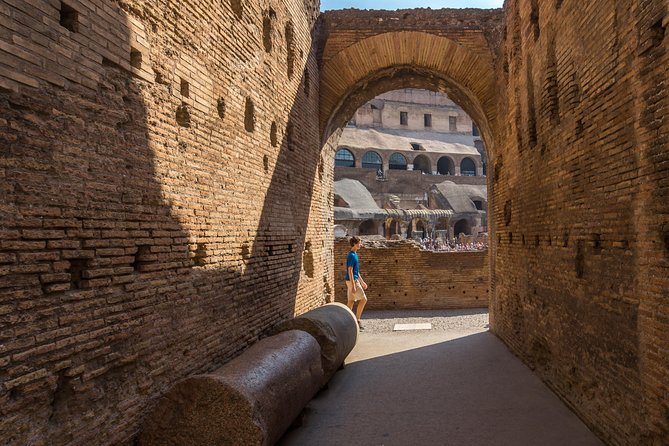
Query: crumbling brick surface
(151, 226)
(402, 276)
(581, 209)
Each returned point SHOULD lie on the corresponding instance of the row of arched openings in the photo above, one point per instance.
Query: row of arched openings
(372, 160)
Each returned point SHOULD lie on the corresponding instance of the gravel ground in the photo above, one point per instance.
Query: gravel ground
(384, 321)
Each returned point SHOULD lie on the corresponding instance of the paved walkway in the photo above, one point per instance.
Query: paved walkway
(454, 385)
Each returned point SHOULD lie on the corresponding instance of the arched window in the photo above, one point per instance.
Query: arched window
(344, 158)
(462, 227)
(445, 166)
(468, 168)
(422, 163)
(367, 227)
(398, 162)
(393, 227)
(372, 160)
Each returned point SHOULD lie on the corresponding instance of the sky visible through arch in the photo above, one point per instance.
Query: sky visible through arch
(404, 4)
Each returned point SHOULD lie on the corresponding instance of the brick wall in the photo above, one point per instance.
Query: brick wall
(582, 208)
(153, 221)
(402, 276)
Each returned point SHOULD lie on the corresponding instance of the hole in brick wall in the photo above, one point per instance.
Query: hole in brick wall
(200, 257)
(596, 243)
(289, 137)
(308, 260)
(657, 31)
(272, 134)
(267, 30)
(249, 116)
(558, 4)
(69, 17)
(61, 395)
(77, 267)
(184, 88)
(237, 8)
(290, 247)
(507, 212)
(245, 251)
(510, 238)
(574, 91)
(183, 115)
(270, 250)
(550, 241)
(265, 163)
(220, 107)
(531, 111)
(551, 87)
(565, 239)
(499, 239)
(665, 237)
(135, 58)
(327, 289)
(141, 256)
(499, 164)
(522, 239)
(534, 18)
(307, 82)
(580, 259)
(290, 49)
(537, 241)
(579, 128)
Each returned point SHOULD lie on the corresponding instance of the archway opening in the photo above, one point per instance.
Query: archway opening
(372, 160)
(397, 162)
(344, 158)
(467, 167)
(445, 166)
(367, 227)
(422, 163)
(462, 227)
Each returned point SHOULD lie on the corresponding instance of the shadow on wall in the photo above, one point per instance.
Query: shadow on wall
(468, 390)
(116, 283)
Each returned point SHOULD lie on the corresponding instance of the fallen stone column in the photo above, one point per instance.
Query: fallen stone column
(251, 400)
(334, 327)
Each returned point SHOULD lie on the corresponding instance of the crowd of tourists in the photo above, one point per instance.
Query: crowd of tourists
(452, 245)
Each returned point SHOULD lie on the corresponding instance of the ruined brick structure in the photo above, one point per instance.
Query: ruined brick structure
(581, 214)
(402, 276)
(166, 191)
(154, 218)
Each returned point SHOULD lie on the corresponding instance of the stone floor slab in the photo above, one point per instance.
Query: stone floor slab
(408, 327)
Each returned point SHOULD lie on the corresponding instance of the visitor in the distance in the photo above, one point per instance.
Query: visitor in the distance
(355, 285)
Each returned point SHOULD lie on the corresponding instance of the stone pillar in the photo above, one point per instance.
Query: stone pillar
(409, 166)
(479, 171)
(457, 170)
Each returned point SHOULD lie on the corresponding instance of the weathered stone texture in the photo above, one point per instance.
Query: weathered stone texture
(152, 227)
(402, 276)
(251, 400)
(582, 209)
(334, 326)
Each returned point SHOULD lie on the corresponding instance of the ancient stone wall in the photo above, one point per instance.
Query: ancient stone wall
(402, 276)
(163, 201)
(581, 212)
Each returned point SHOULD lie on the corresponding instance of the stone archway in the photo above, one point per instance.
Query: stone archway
(398, 60)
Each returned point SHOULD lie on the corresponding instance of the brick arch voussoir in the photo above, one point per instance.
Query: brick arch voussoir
(437, 59)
